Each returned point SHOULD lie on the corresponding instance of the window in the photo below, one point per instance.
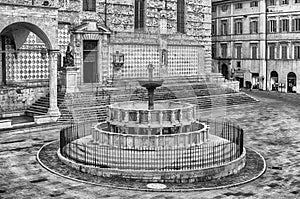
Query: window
(224, 8)
(284, 2)
(224, 27)
(238, 50)
(238, 6)
(238, 65)
(180, 15)
(297, 1)
(253, 25)
(271, 2)
(297, 51)
(213, 28)
(296, 25)
(284, 51)
(238, 26)
(271, 51)
(284, 25)
(213, 50)
(254, 49)
(139, 14)
(214, 9)
(254, 4)
(224, 50)
(272, 25)
(89, 5)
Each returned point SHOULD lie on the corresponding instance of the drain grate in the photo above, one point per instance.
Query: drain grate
(39, 180)
(156, 186)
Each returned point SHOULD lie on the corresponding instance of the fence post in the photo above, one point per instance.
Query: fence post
(242, 141)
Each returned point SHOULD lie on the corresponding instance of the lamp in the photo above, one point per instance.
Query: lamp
(43, 53)
(118, 60)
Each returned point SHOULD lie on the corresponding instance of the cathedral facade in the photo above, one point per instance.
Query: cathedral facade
(99, 41)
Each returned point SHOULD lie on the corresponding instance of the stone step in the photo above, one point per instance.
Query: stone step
(33, 113)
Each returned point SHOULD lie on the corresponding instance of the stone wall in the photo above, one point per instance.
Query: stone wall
(17, 99)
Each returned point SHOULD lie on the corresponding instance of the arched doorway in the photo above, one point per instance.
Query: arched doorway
(20, 52)
(224, 71)
(22, 68)
(274, 81)
(291, 82)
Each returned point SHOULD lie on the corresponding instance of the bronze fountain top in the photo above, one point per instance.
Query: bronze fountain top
(150, 85)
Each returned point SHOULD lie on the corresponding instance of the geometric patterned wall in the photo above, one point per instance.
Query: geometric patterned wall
(63, 37)
(27, 64)
(137, 58)
(182, 60)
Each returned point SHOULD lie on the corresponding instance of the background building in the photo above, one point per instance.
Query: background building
(108, 39)
(257, 41)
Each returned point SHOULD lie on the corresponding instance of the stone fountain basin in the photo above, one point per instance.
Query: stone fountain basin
(150, 83)
(143, 106)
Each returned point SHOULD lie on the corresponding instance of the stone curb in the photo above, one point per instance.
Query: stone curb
(153, 190)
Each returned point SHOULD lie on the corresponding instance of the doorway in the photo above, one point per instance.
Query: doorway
(224, 71)
(274, 81)
(291, 82)
(90, 55)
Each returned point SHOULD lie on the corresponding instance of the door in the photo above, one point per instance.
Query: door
(90, 55)
(274, 81)
(291, 80)
(224, 71)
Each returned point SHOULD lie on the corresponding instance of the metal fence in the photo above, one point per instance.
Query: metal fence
(228, 148)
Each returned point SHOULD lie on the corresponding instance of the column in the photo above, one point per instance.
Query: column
(53, 109)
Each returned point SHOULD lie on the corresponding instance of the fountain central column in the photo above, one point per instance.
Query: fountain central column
(150, 85)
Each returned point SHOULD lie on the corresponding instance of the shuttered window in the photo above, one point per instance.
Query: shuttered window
(254, 49)
(284, 25)
(238, 26)
(296, 51)
(89, 5)
(224, 50)
(253, 25)
(271, 51)
(139, 14)
(296, 25)
(181, 16)
(284, 52)
(272, 26)
(238, 49)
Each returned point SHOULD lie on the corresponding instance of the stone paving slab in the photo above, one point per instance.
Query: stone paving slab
(272, 127)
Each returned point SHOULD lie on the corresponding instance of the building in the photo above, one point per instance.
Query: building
(99, 41)
(258, 41)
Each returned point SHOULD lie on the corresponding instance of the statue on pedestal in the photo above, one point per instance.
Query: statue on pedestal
(69, 58)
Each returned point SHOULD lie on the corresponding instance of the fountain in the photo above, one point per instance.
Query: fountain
(161, 142)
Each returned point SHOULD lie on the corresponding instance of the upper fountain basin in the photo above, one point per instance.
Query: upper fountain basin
(151, 84)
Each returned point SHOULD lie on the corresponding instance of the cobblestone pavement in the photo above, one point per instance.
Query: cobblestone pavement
(272, 128)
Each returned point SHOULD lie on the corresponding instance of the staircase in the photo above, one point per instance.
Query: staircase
(40, 107)
(91, 105)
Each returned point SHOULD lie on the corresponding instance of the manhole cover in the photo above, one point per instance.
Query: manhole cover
(156, 186)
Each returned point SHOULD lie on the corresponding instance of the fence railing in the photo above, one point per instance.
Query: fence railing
(167, 157)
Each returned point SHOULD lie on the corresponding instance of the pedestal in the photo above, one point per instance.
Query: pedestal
(69, 79)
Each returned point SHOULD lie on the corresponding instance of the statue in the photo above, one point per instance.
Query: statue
(69, 58)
